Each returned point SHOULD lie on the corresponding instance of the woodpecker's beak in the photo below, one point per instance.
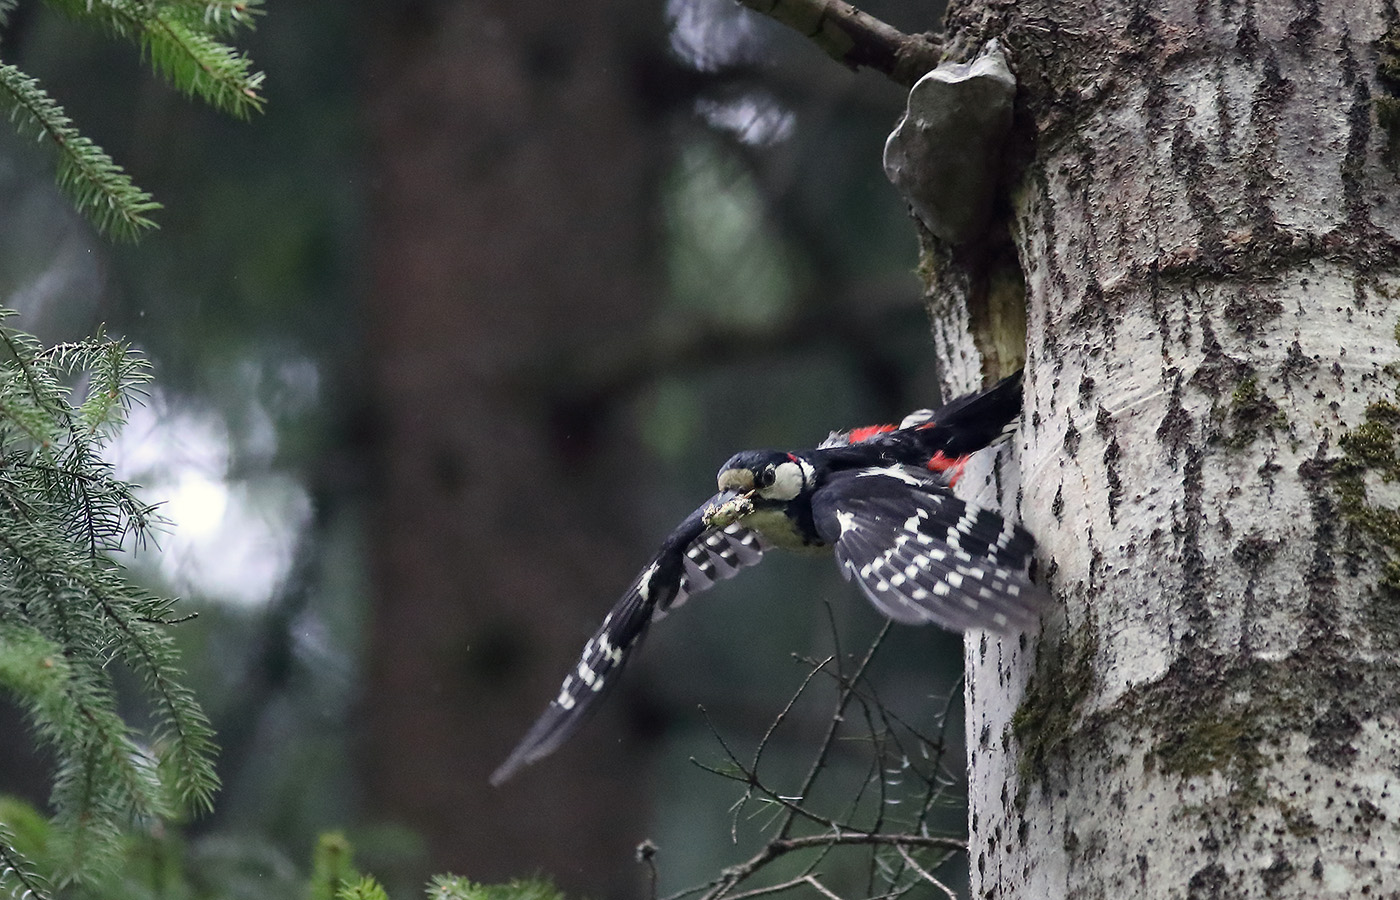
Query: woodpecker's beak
(736, 481)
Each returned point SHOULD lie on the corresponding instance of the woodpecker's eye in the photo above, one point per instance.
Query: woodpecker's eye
(765, 477)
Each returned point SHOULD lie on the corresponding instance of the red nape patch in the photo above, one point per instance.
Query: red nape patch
(869, 431)
(953, 465)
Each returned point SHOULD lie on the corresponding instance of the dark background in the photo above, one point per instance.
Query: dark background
(445, 342)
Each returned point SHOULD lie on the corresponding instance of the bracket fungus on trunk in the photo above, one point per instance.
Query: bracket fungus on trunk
(945, 154)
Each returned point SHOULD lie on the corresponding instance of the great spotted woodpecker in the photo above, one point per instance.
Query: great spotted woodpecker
(879, 496)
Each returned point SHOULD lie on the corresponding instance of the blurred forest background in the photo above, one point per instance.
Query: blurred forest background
(445, 342)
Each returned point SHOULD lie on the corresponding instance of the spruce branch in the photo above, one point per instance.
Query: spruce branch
(177, 42)
(67, 611)
(17, 874)
(197, 64)
(180, 40)
(95, 184)
(217, 16)
(855, 38)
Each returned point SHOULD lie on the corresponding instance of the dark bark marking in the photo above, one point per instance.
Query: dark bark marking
(1144, 34)
(1071, 440)
(1189, 161)
(1388, 80)
(1252, 554)
(1332, 734)
(1092, 314)
(1306, 26)
(1159, 309)
(1177, 424)
(1226, 121)
(1086, 391)
(1219, 372)
(1210, 882)
(1268, 469)
(1249, 310)
(1247, 38)
(1195, 574)
(1048, 218)
(1103, 424)
(1295, 364)
(1321, 575)
(1251, 413)
(1353, 169)
(1270, 96)
(1050, 710)
(1276, 874)
(1053, 271)
(1371, 527)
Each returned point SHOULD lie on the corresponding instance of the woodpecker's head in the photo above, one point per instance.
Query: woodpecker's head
(767, 475)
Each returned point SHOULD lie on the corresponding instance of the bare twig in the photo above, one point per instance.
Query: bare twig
(646, 855)
(776, 888)
(836, 720)
(855, 38)
(735, 875)
(793, 806)
(821, 888)
(922, 873)
(787, 710)
(899, 760)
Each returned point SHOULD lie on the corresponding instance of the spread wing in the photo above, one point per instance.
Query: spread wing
(923, 555)
(692, 558)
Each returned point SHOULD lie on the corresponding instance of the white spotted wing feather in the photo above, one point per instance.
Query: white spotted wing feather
(923, 555)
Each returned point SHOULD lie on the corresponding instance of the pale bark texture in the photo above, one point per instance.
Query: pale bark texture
(1206, 218)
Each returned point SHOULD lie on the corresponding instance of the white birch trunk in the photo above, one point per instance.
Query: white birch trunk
(1208, 231)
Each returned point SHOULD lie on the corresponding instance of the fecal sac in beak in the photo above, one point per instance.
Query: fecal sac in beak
(727, 508)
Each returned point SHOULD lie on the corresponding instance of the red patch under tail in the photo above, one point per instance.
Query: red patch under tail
(952, 465)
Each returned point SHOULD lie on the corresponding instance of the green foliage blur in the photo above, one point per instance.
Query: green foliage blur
(159, 864)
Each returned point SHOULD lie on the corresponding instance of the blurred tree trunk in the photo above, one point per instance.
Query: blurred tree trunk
(514, 171)
(1207, 228)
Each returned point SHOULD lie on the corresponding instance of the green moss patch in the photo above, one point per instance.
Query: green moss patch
(1250, 413)
(1050, 710)
(1370, 451)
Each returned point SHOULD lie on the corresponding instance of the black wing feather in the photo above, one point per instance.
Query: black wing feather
(920, 554)
(692, 558)
(958, 428)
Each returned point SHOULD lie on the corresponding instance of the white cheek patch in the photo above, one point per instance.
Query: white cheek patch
(789, 478)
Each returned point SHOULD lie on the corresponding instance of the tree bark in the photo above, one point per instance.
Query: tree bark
(515, 161)
(1207, 228)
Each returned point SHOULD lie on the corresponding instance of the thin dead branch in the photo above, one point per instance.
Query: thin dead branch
(887, 813)
(855, 38)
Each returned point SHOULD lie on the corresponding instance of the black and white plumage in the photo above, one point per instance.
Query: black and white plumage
(878, 496)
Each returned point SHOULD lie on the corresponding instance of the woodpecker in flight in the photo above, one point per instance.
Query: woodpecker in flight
(878, 496)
